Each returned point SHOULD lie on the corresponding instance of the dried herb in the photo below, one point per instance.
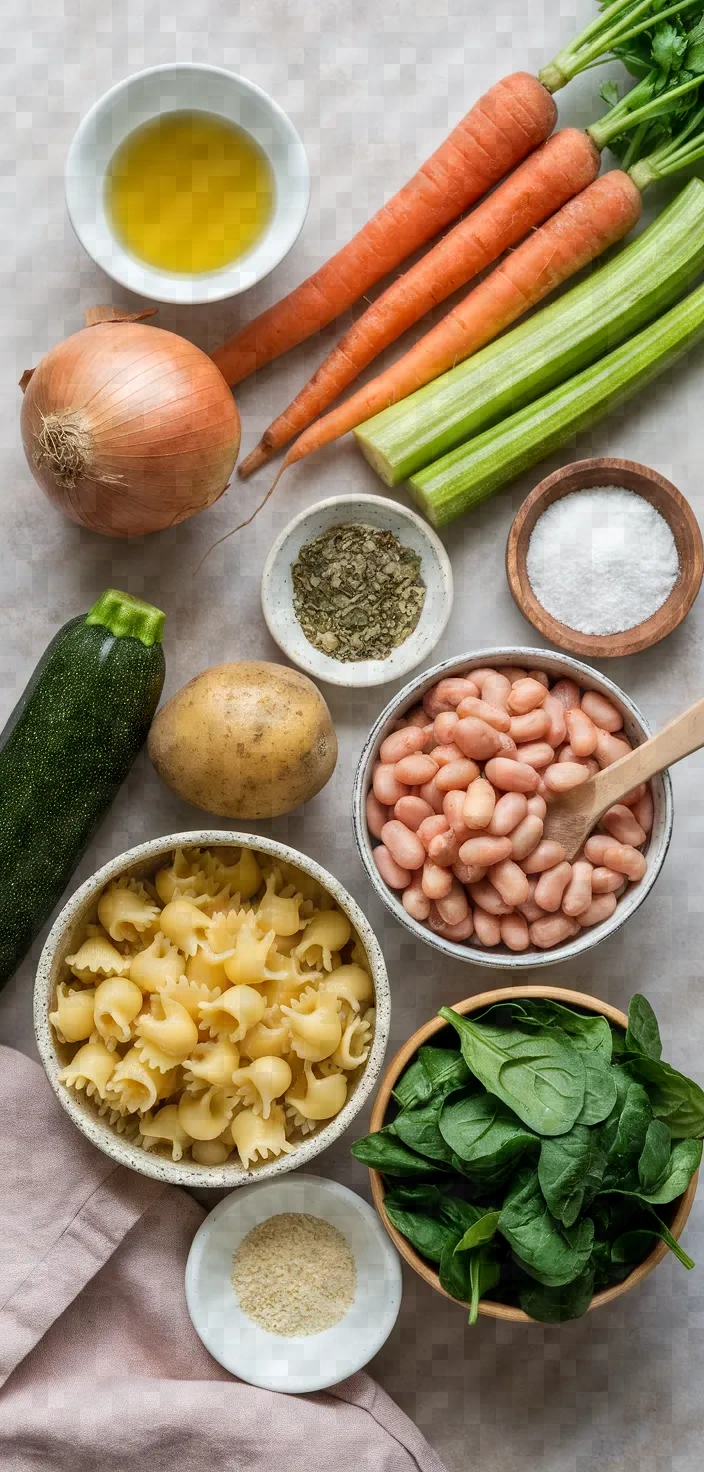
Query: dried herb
(358, 592)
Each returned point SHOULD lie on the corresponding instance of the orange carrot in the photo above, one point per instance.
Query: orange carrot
(585, 227)
(542, 183)
(503, 127)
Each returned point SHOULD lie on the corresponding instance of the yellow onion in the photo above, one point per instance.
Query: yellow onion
(129, 429)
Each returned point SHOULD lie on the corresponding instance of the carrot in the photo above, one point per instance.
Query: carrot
(538, 187)
(503, 127)
(585, 227)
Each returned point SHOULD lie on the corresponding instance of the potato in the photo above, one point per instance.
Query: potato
(245, 740)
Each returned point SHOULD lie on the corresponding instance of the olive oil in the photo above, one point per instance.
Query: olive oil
(189, 192)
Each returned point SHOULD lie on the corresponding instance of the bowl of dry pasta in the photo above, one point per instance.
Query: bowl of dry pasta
(212, 1008)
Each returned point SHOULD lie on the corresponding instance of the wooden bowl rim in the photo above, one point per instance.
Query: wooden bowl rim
(582, 475)
(488, 1307)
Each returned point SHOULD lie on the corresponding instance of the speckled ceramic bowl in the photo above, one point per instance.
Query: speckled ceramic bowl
(411, 531)
(558, 667)
(141, 862)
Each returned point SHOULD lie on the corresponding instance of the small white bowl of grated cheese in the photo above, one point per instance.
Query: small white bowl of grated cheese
(293, 1285)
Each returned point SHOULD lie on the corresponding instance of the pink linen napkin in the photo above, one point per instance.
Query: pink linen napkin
(100, 1367)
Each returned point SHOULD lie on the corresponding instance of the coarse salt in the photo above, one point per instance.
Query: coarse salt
(602, 560)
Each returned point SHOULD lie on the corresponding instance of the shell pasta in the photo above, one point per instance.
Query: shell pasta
(220, 1007)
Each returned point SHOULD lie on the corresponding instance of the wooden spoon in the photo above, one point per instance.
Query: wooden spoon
(571, 818)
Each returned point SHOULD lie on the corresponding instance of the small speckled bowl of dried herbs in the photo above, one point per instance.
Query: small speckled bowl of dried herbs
(357, 590)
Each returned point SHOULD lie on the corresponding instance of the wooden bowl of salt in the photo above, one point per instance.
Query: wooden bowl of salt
(560, 567)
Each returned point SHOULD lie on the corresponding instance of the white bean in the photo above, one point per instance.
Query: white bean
(479, 804)
(555, 713)
(487, 928)
(443, 755)
(492, 714)
(511, 776)
(488, 898)
(567, 693)
(526, 836)
(547, 854)
(453, 808)
(431, 794)
(610, 748)
(525, 695)
(468, 873)
(581, 731)
(444, 726)
(496, 689)
(623, 825)
(644, 811)
(485, 850)
(436, 881)
(403, 845)
(514, 932)
(605, 881)
(508, 813)
(377, 814)
(533, 726)
(454, 906)
(601, 712)
(459, 932)
(563, 776)
(412, 811)
(457, 775)
(392, 873)
(476, 739)
(600, 909)
(595, 848)
(538, 754)
(387, 787)
(625, 860)
(578, 894)
(510, 881)
(551, 886)
(444, 849)
(537, 806)
(553, 931)
(402, 743)
(415, 770)
(415, 903)
(430, 827)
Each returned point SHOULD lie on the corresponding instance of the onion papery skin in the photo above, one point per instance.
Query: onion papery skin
(147, 430)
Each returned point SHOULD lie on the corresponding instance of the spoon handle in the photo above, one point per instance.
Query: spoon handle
(679, 738)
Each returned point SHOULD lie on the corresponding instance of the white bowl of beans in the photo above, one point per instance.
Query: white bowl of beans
(450, 795)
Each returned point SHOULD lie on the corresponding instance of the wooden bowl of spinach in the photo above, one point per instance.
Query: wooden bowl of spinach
(531, 1155)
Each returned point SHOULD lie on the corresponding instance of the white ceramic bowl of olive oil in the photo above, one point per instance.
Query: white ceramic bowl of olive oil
(187, 183)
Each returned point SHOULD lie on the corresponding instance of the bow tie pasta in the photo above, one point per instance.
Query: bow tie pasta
(220, 1008)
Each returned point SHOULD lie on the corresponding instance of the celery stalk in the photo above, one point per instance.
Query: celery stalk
(613, 302)
(468, 475)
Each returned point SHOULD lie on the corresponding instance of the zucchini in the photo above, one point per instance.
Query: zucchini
(468, 475)
(65, 752)
(558, 341)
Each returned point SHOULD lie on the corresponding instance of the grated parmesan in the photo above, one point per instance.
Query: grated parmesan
(294, 1274)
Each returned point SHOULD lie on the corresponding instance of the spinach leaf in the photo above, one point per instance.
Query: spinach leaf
(460, 1214)
(429, 1236)
(382, 1152)
(589, 1034)
(548, 1251)
(418, 1129)
(484, 1274)
(445, 1069)
(541, 1077)
(618, 1042)
(655, 1155)
(625, 1150)
(685, 1159)
(570, 1172)
(600, 1089)
(413, 1087)
(483, 1230)
(634, 1245)
(643, 1034)
(674, 1098)
(484, 1133)
(455, 1272)
(557, 1305)
(422, 1195)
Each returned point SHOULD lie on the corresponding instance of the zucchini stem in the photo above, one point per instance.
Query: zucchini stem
(128, 617)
